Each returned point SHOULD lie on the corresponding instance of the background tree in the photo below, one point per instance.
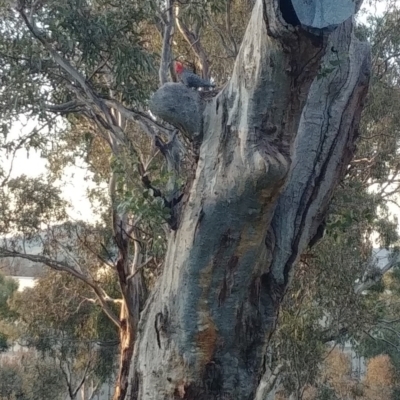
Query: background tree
(380, 378)
(8, 287)
(58, 319)
(29, 377)
(70, 340)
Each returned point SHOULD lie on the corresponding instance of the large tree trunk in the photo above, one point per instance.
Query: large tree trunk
(262, 185)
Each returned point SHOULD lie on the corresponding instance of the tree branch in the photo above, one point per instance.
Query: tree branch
(139, 268)
(230, 53)
(268, 382)
(228, 26)
(94, 389)
(168, 34)
(21, 142)
(65, 267)
(194, 41)
(72, 106)
(137, 116)
(369, 281)
(84, 376)
(93, 101)
(382, 339)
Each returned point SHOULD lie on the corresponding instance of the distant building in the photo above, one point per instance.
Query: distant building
(24, 282)
(380, 258)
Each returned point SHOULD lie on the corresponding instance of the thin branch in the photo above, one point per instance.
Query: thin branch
(385, 321)
(83, 379)
(382, 339)
(135, 266)
(168, 34)
(195, 44)
(388, 328)
(95, 253)
(269, 381)
(19, 146)
(139, 268)
(65, 267)
(69, 107)
(94, 390)
(67, 380)
(101, 66)
(365, 160)
(370, 281)
(135, 115)
(92, 100)
(228, 26)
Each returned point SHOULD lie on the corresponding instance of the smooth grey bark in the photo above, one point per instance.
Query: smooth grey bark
(262, 185)
(323, 148)
(181, 107)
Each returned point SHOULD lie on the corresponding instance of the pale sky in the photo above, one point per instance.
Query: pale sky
(73, 184)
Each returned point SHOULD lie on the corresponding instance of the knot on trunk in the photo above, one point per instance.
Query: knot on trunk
(180, 106)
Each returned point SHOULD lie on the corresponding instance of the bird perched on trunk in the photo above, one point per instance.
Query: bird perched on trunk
(189, 78)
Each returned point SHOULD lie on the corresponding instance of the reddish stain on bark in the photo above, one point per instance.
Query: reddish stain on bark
(206, 341)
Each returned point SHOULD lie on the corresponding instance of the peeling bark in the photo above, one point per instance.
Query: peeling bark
(127, 341)
(133, 295)
(323, 148)
(266, 171)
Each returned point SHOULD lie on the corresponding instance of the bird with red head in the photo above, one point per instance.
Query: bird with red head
(189, 78)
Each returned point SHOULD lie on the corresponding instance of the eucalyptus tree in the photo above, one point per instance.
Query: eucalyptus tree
(8, 286)
(339, 293)
(29, 378)
(248, 175)
(57, 320)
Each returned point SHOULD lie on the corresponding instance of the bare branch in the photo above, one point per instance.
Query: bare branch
(269, 381)
(228, 26)
(139, 268)
(67, 379)
(194, 40)
(369, 281)
(172, 151)
(92, 100)
(382, 339)
(168, 34)
(65, 267)
(136, 116)
(65, 108)
(94, 391)
(84, 376)
(101, 259)
(22, 141)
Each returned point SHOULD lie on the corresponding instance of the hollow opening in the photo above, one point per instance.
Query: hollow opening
(288, 12)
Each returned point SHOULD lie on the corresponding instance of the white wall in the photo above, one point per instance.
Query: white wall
(24, 282)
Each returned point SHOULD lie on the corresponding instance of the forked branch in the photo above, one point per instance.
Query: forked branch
(65, 267)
